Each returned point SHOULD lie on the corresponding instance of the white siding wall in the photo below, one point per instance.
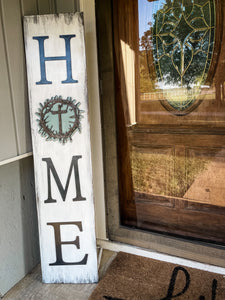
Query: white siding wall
(19, 250)
(14, 121)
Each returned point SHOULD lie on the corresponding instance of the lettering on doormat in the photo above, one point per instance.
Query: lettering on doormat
(171, 294)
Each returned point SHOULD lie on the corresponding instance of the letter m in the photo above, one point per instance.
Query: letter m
(63, 191)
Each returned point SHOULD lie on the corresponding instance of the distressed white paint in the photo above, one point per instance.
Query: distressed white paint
(61, 155)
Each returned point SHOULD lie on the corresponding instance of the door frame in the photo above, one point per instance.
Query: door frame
(88, 8)
(189, 249)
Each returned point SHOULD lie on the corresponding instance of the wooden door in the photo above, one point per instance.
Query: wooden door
(170, 103)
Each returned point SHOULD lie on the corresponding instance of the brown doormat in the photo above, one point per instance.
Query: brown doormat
(132, 277)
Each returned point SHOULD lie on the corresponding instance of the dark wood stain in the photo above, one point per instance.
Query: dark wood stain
(154, 212)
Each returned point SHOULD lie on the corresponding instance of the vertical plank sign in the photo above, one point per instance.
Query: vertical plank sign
(56, 68)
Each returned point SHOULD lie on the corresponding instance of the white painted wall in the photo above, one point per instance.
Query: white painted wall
(19, 249)
(88, 7)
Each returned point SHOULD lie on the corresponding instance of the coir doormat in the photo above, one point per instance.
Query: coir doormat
(132, 277)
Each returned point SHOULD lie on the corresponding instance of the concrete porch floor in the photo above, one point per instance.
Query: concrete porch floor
(32, 288)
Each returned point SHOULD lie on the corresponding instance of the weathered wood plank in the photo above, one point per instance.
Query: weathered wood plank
(32, 288)
(56, 68)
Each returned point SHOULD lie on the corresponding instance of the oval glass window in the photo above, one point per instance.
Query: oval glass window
(182, 38)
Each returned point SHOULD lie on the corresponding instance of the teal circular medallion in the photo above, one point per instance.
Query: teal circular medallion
(59, 119)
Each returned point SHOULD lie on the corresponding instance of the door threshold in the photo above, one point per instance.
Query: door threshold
(117, 247)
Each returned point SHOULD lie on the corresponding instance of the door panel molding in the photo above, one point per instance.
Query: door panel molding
(191, 249)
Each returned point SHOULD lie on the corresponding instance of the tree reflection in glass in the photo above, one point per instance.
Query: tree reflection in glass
(181, 34)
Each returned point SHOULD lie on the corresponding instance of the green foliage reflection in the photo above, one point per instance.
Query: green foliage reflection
(180, 39)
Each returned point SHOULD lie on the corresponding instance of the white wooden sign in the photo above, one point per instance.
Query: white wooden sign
(56, 68)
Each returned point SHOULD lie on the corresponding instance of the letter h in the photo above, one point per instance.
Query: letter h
(43, 59)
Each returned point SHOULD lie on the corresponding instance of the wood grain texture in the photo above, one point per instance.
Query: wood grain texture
(31, 286)
(63, 209)
(192, 216)
(194, 138)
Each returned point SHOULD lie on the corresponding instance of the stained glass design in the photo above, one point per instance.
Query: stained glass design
(183, 34)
